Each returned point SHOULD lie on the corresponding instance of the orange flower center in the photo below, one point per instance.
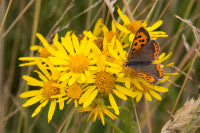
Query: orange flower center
(104, 82)
(74, 91)
(134, 26)
(78, 63)
(49, 90)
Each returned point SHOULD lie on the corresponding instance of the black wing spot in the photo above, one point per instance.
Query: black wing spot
(135, 44)
(142, 40)
(139, 36)
(133, 50)
(142, 44)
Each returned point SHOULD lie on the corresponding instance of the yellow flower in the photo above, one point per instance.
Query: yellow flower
(74, 57)
(104, 83)
(50, 86)
(131, 27)
(98, 109)
(73, 92)
(43, 53)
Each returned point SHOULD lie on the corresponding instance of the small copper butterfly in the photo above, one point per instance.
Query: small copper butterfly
(142, 53)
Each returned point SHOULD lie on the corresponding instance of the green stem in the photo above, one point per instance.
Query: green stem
(112, 125)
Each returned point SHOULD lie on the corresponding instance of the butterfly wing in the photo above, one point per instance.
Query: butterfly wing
(148, 53)
(150, 73)
(141, 39)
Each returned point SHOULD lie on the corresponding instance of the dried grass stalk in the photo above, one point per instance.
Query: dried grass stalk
(188, 114)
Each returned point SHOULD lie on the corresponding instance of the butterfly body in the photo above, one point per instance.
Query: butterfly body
(141, 55)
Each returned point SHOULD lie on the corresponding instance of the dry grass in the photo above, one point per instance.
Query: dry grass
(185, 117)
(181, 22)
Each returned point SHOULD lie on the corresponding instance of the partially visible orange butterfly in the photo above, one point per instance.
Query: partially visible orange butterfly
(142, 53)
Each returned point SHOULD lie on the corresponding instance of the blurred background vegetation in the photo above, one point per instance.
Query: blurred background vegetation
(25, 18)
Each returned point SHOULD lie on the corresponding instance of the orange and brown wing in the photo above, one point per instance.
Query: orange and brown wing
(148, 52)
(141, 39)
(150, 73)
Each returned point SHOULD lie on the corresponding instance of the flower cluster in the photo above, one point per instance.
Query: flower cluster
(89, 70)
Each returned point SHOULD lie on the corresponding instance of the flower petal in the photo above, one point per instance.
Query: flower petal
(38, 109)
(89, 100)
(30, 93)
(51, 110)
(113, 104)
(32, 101)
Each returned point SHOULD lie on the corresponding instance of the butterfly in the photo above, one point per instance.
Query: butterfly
(142, 53)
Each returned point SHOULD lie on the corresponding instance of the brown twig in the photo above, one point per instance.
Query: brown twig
(136, 116)
(128, 10)
(148, 115)
(17, 19)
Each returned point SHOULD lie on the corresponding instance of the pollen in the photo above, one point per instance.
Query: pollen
(104, 82)
(49, 90)
(74, 91)
(78, 63)
(134, 26)
(99, 43)
(45, 53)
(110, 35)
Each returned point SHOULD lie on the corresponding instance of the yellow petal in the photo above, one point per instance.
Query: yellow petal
(155, 95)
(32, 101)
(155, 25)
(67, 43)
(98, 27)
(44, 70)
(35, 47)
(86, 94)
(139, 96)
(125, 91)
(137, 84)
(89, 99)
(51, 110)
(33, 81)
(124, 18)
(147, 96)
(83, 78)
(119, 94)
(122, 28)
(76, 43)
(160, 89)
(61, 105)
(42, 77)
(38, 109)
(66, 76)
(113, 104)
(30, 93)
(102, 118)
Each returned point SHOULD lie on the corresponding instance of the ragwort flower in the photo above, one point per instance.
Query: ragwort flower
(43, 53)
(131, 27)
(104, 83)
(97, 108)
(49, 84)
(73, 57)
